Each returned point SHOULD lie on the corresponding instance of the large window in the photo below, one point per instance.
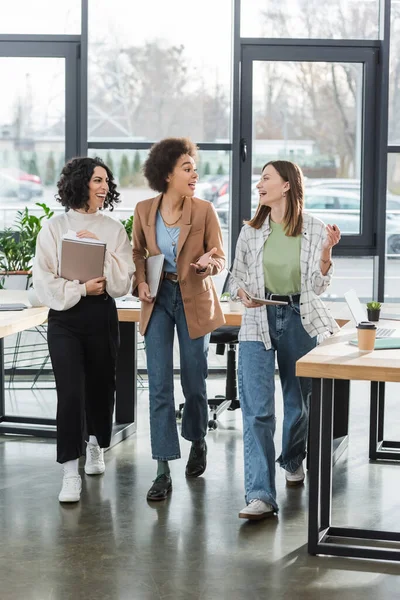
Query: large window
(392, 278)
(49, 17)
(394, 77)
(32, 132)
(159, 69)
(340, 19)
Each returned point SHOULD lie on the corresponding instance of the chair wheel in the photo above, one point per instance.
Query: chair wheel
(178, 414)
(212, 424)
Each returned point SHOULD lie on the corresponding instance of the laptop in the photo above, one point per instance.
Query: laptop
(359, 314)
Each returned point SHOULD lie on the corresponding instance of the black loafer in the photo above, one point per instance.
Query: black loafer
(162, 485)
(196, 465)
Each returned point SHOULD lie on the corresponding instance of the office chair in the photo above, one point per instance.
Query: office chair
(227, 335)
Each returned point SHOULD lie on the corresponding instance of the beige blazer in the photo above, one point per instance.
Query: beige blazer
(200, 231)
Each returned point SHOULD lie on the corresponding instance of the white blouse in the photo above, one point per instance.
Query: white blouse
(59, 293)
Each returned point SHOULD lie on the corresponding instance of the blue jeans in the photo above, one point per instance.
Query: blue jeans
(168, 313)
(257, 399)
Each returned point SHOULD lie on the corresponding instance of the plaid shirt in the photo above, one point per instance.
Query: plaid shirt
(248, 268)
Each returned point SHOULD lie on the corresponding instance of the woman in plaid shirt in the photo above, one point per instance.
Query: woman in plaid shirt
(282, 254)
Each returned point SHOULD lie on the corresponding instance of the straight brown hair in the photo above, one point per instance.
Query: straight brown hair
(293, 218)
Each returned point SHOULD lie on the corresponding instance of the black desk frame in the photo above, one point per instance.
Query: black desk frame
(323, 538)
(125, 399)
(380, 449)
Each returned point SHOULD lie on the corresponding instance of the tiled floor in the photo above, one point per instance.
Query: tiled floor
(114, 545)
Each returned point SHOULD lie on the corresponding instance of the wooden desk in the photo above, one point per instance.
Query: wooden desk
(332, 361)
(125, 399)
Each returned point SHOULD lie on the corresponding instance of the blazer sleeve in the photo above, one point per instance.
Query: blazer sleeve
(139, 250)
(213, 239)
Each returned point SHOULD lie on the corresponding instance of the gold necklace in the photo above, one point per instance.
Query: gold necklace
(170, 224)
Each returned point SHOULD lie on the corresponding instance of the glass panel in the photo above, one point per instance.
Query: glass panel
(311, 113)
(32, 132)
(394, 75)
(213, 168)
(159, 71)
(351, 273)
(310, 19)
(41, 16)
(392, 276)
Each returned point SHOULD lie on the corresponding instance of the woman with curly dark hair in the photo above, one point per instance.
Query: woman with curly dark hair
(83, 322)
(186, 231)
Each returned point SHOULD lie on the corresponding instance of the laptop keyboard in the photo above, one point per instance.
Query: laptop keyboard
(381, 332)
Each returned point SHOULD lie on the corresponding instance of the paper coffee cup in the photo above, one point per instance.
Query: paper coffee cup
(234, 305)
(366, 333)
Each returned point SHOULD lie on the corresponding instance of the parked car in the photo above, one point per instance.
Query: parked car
(24, 186)
(339, 206)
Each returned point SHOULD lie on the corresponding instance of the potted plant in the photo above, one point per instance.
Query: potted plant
(128, 224)
(374, 310)
(17, 248)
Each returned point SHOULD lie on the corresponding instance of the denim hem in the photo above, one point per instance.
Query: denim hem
(166, 458)
(200, 439)
(292, 465)
(264, 496)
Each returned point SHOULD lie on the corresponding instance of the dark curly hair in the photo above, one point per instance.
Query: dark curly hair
(73, 186)
(162, 159)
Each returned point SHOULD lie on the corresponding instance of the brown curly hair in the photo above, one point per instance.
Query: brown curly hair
(73, 186)
(162, 159)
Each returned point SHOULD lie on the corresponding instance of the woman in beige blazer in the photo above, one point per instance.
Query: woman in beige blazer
(187, 231)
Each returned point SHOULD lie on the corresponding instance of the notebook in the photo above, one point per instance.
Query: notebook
(382, 344)
(82, 259)
(154, 270)
(15, 306)
(360, 314)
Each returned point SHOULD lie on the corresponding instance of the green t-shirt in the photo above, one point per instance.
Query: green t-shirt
(281, 261)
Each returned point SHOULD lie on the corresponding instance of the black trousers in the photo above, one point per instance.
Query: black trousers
(83, 344)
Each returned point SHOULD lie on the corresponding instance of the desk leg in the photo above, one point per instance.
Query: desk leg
(341, 395)
(326, 451)
(314, 468)
(378, 447)
(126, 396)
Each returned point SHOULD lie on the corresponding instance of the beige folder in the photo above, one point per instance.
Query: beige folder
(82, 261)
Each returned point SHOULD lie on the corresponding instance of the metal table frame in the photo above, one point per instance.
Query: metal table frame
(125, 401)
(323, 538)
(380, 449)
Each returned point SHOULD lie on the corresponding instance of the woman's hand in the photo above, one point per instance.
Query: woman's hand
(144, 293)
(332, 237)
(84, 233)
(202, 263)
(95, 287)
(246, 300)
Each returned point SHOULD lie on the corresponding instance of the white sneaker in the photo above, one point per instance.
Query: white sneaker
(94, 460)
(71, 489)
(296, 478)
(256, 510)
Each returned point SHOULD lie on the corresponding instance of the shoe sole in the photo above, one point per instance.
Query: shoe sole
(294, 483)
(197, 474)
(265, 515)
(69, 500)
(151, 499)
(94, 472)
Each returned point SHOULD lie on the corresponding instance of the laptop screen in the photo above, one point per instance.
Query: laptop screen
(356, 308)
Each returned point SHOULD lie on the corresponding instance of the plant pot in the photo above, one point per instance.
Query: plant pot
(373, 314)
(15, 280)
